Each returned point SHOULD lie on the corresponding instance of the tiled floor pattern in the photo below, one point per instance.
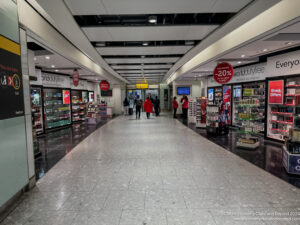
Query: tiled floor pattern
(155, 172)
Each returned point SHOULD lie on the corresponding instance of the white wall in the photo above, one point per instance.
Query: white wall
(115, 102)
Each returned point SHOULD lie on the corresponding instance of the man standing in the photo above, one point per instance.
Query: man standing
(156, 106)
(138, 106)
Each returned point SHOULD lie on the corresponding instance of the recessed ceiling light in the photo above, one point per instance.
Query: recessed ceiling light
(142, 56)
(265, 50)
(100, 44)
(47, 57)
(34, 58)
(56, 70)
(289, 43)
(145, 43)
(239, 62)
(142, 64)
(152, 19)
(189, 42)
(53, 66)
(243, 56)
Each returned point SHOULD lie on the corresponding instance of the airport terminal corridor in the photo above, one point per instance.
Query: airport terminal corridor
(155, 172)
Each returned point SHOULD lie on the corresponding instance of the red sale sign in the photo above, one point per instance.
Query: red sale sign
(276, 89)
(223, 73)
(104, 85)
(75, 77)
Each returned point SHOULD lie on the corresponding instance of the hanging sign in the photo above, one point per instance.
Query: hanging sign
(223, 73)
(75, 77)
(11, 86)
(276, 92)
(104, 85)
(141, 86)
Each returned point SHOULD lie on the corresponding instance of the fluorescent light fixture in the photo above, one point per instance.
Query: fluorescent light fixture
(189, 42)
(100, 44)
(145, 43)
(152, 19)
(47, 57)
(52, 66)
(142, 56)
(243, 56)
(289, 43)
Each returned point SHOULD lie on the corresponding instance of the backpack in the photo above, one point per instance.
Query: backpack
(138, 103)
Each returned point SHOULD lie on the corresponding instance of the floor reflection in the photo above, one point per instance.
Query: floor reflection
(268, 156)
(56, 144)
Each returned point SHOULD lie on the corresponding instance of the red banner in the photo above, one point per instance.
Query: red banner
(66, 97)
(276, 89)
(75, 77)
(223, 73)
(104, 85)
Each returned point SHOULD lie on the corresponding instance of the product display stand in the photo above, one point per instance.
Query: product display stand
(79, 102)
(92, 113)
(216, 119)
(291, 153)
(37, 110)
(192, 112)
(248, 115)
(201, 112)
(102, 110)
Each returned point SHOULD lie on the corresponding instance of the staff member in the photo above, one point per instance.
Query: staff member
(185, 105)
(175, 106)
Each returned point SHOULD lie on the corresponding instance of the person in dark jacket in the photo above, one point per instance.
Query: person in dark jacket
(175, 106)
(156, 106)
(138, 106)
(126, 106)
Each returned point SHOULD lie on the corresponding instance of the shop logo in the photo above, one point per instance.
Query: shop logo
(11, 81)
(289, 64)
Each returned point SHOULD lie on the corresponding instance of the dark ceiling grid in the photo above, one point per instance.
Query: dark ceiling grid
(143, 20)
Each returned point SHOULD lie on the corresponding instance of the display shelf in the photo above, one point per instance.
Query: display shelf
(293, 86)
(192, 112)
(201, 112)
(278, 121)
(283, 113)
(79, 102)
(290, 161)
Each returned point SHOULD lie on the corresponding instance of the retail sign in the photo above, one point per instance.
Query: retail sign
(11, 85)
(82, 85)
(223, 73)
(66, 97)
(104, 85)
(276, 89)
(210, 94)
(54, 80)
(141, 86)
(248, 92)
(75, 77)
(285, 64)
(227, 94)
(244, 74)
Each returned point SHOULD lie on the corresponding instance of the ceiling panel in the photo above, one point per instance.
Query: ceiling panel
(139, 71)
(142, 60)
(144, 67)
(143, 50)
(194, 32)
(95, 7)
(90, 7)
(229, 5)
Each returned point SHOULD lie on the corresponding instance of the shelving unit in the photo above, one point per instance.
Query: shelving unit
(254, 92)
(37, 110)
(215, 119)
(102, 110)
(57, 110)
(218, 95)
(192, 112)
(201, 112)
(284, 117)
(92, 113)
(79, 103)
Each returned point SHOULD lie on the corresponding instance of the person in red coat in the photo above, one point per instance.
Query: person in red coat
(175, 106)
(148, 107)
(185, 106)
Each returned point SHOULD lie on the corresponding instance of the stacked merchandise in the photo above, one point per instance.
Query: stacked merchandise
(92, 113)
(216, 119)
(36, 109)
(284, 115)
(192, 112)
(253, 92)
(102, 110)
(201, 112)
(57, 110)
(248, 116)
(218, 95)
(79, 103)
(291, 152)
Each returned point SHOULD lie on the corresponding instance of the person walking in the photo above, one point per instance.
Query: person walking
(185, 105)
(138, 107)
(126, 106)
(156, 106)
(148, 106)
(175, 106)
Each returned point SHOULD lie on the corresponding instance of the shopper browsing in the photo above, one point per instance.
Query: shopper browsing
(185, 105)
(126, 106)
(148, 106)
(175, 106)
(138, 106)
(156, 106)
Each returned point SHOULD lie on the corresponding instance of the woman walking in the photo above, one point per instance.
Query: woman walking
(148, 106)
(175, 106)
(126, 106)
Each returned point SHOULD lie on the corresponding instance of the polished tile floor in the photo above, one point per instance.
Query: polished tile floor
(155, 172)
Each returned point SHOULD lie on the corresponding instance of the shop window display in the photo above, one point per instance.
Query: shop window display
(36, 109)
(79, 103)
